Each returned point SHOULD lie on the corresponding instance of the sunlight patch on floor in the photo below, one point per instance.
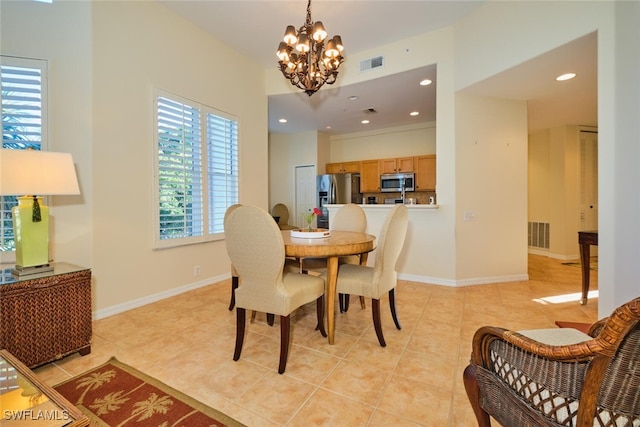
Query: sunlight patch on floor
(560, 299)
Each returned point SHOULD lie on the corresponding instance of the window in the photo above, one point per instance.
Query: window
(196, 170)
(23, 97)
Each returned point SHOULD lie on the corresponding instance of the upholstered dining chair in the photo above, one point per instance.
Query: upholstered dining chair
(290, 265)
(281, 211)
(558, 377)
(373, 282)
(349, 217)
(234, 273)
(256, 249)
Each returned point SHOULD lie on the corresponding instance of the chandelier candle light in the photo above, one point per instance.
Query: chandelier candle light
(304, 58)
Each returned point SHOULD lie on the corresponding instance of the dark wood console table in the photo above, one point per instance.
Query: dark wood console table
(586, 239)
(46, 316)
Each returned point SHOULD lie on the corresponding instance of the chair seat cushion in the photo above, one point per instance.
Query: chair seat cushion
(556, 336)
(302, 288)
(356, 280)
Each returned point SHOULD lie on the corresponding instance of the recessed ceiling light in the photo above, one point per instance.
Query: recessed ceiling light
(425, 82)
(364, 122)
(283, 120)
(567, 76)
(327, 127)
(352, 98)
(414, 113)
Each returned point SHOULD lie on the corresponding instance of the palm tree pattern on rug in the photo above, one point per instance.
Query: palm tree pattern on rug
(120, 396)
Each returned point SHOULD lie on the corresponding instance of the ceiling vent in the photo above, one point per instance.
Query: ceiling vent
(371, 63)
(370, 111)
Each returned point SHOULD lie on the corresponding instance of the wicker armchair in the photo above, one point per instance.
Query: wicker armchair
(520, 381)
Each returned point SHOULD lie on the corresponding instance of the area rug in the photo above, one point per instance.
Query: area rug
(115, 394)
(593, 264)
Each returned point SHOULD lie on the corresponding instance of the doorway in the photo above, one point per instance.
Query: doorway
(305, 196)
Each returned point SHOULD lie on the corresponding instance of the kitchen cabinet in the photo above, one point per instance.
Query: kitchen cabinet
(343, 167)
(401, 164)
(370, 176)
(425, 172)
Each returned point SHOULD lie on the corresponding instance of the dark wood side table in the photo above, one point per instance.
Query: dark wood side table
(47, 316)
(586, 239)
(27, 401)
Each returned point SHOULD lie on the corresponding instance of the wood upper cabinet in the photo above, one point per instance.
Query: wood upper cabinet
(425, 172)
(370, 176)
(344, 167)
(402, 164)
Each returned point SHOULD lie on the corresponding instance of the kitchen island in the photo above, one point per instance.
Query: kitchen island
(419, 259)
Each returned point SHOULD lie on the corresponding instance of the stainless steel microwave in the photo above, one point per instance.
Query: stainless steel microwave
(393, 182)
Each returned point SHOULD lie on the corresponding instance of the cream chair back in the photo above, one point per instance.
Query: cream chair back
(390, 242)
(256, 248)
(234, 272)
(281, 211)
(349, 217)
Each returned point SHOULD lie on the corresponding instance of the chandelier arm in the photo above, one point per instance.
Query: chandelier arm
(308, 69)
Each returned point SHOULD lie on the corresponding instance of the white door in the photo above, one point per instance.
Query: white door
(588, 181)
(305, 193)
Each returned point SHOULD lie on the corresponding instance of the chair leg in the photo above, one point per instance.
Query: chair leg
(320, 314)
(240, 323)
(345, 302)
(473, 393)
(270, 319)
(234, 286)
(375, 310)
(285, 328)
(362, 304)
(392, 305)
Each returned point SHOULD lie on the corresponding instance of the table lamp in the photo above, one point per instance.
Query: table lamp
(32, 174)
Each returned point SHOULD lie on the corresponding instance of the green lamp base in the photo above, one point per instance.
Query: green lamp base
(32, 238)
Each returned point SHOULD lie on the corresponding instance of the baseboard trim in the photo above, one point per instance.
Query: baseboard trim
(129, 305)
(463, 282)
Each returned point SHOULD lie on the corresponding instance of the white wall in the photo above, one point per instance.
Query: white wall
(554, 170)
(61, 34)
(106, 58)
(139, 46)
(105, 121)
(618, 155)
(491, 214)
(286, 151)
(401, 141)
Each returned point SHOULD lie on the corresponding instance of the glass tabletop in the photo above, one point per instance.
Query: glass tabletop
(22, 403)
(6, 276)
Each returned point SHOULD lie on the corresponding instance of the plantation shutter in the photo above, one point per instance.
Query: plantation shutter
(23, 90)
(222, 148)
(179, 170)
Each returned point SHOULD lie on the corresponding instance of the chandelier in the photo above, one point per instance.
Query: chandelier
(304, 58)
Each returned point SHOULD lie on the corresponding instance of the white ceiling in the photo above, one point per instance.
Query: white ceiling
(254, 29)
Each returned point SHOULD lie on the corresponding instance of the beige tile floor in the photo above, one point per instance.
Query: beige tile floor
(187, 341)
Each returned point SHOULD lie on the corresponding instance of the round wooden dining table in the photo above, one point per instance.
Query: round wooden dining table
(339, 243)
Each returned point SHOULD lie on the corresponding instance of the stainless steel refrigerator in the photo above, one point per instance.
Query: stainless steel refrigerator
(334, 189)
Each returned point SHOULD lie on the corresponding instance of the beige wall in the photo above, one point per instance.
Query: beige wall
(61, 34)
(106, 56)
(117, 53)
(402, 141)
(554, 187)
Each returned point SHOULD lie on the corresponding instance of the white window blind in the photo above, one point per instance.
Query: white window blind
(222, 147)
(23, 98)
(196, 170)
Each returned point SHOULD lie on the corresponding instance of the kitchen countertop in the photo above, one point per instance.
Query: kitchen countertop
(382, 205)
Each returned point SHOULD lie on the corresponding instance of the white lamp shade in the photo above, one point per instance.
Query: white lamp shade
(32, 172)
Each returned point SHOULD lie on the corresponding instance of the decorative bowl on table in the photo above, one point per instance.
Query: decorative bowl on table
(314, 233)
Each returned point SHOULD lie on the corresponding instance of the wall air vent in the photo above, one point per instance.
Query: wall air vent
(371, 63)
(370, 111)
(539, 235)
